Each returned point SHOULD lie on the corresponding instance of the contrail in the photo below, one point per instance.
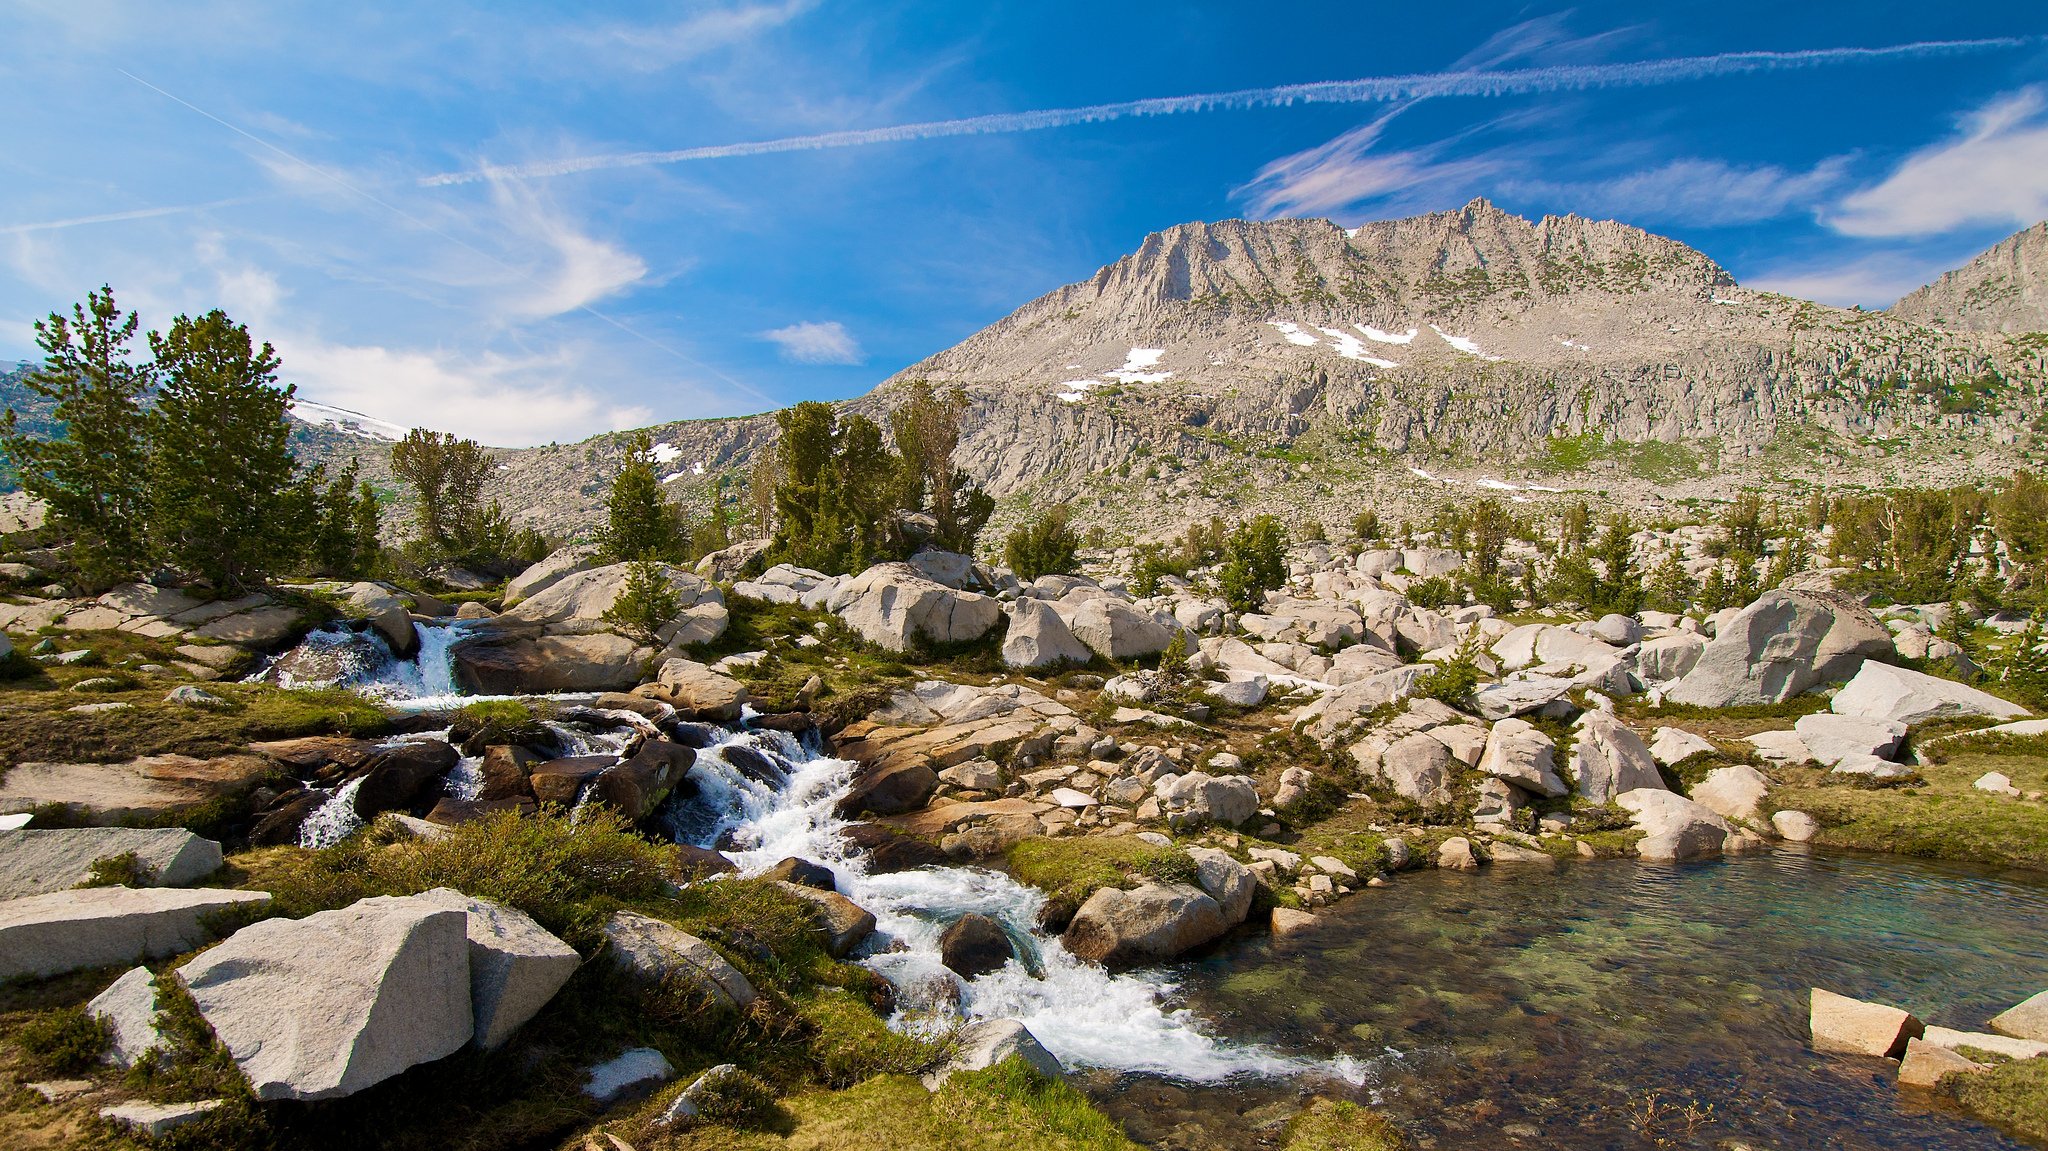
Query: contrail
(1380, 89)
(118, 217)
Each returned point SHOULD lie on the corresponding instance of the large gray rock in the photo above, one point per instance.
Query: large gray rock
(2029, 1020)
(1418, 767)
(1733, 792)
(576, 603)
(1881, 691)
(845, 924)
(1113, 629)
(129, 1009)
(1198, 798)
(1521, 696)
(1674, 745)
(1149, 923)
(1609, 759)
(1832, 739)
(698, 693)
(1039, 638)
(385, 612)
(322, 1007)
(33, 862)
(893, 606)
(515, 965)
(550, 571)
(1673, 826)
(978, 1046)
(1778, 647)
(1668, 657)
(1230, 883)
(499, 664)
(1518, 752)
(45, 935)
(656, 952)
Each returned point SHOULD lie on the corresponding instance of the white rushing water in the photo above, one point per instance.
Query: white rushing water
(1082, 1013)
(763, 797)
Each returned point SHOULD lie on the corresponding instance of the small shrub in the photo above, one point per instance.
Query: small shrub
(65, 1041)
(736, 1099)
(1045, 546)
(123, 870)
(1434, 592)
(646, 604)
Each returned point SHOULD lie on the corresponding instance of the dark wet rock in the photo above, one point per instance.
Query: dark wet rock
(974, 945)
(889, 850)
(505, 769)
(889, 789)
(702, 862)
(395, 778)
(560, 781)
(637, 786)
(804, 873)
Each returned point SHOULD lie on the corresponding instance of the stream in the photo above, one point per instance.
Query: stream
(1600, 1005)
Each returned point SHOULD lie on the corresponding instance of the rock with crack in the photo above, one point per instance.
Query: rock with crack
(149, 789)
(696, 692)
(325, 1006)
(45, 935)
(1852, 1027)
(1197, 799)
(1113, 629)
(1038, 638)
(1517, 751)
(1609, 759)
(652, 951)
(1779, 646)
(1673, 826)
(895, 606)
(36, 862)
(515, 965)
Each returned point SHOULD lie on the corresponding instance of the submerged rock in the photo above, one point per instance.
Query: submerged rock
(1853, 1027)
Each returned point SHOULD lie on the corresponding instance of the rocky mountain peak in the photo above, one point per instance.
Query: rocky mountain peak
(2003, 290)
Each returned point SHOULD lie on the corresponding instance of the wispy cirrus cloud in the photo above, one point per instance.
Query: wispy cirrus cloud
(1994, 171)
(651, 47)
(1346, 173)
(814, 342)
(1693, 191)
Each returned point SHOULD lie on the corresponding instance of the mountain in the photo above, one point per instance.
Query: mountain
(2003, 290)
(1298, 367)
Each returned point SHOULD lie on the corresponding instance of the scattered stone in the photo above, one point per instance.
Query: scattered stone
(1455, 854)
(189, 696)
(2004, 1045)
(978, 1046)
(1733, 792)
(1853, 1027)
(1518, 752)
(129, 1008)
(1925, 1063)
(845, 922)
(1832, 739)
(1288, 921)
(322, 1007)
(1996, 782)
(1335, 867)
(1673, 745)
(974, 945)
(1796, 826)
(655, 952)
(686, 1106)
(45, 935)
(36, 862)
(633, 1073)
(1881, 691)
(1198, 798)
(2029, 1020)
(803, 873)
(1608, 759)
(156, 1120)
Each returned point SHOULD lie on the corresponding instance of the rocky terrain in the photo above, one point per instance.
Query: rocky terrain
(2005, 290)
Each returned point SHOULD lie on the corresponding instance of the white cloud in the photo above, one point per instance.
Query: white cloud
(501, 400)
(578, 269)
(1874, 281)
(1344, 173)
(1993, 172)
(1702, 193)
(654, 47)
(811, 342)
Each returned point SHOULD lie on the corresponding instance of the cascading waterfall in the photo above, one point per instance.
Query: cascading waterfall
(1082, 1013)
(761, 796)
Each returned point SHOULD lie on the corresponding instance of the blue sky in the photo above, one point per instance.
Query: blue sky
(280, 160)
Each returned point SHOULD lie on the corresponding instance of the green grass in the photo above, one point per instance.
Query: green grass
(1072, 869)
(1944, 817)
(2012, 1095)
(63, 1040)
(1331, 1125)
(36, 724)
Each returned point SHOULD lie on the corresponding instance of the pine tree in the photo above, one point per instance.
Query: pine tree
(94, 477)
(834, 495)
(640, 522)
(646, 603)
(224, 499)
(447, 477)
(1254, 563)
(927, 432)
(1044, 546)
(344, 524)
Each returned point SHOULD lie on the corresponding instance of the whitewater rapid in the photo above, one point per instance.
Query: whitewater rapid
(763, 796)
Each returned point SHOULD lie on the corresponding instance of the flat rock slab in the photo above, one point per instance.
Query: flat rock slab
(989, 1042)
(35, 862)
(112, 793)
(2027, 1021)
(953, 816)
(157, 1119)
(635, 1072)
(1853, 1027)
(1925, 1063)
(45, 935)
(1881, 691)
(322, 1007)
